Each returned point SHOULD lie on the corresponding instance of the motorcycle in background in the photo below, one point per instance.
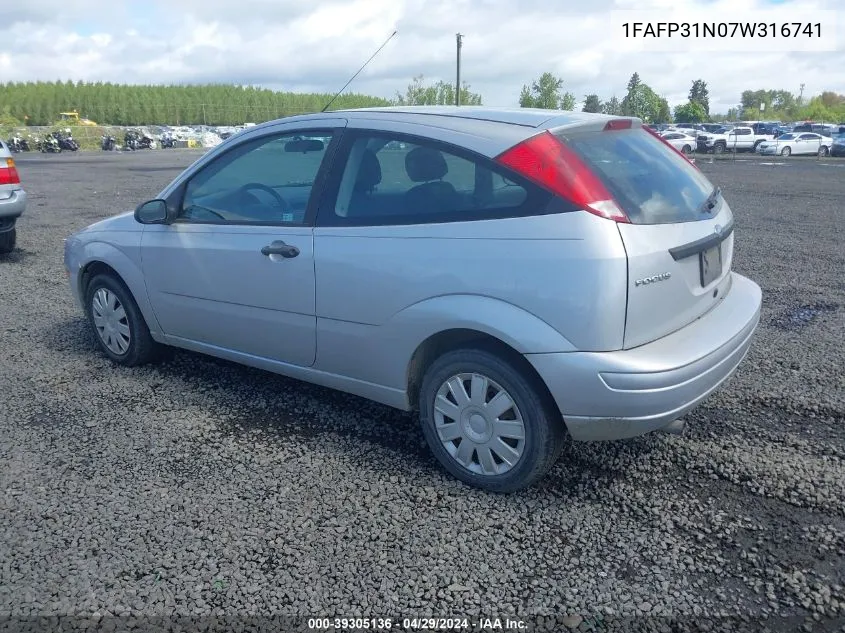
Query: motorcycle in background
(18, 144)
(50, 144)
(134, 140)
(167, 140)
(66, 140)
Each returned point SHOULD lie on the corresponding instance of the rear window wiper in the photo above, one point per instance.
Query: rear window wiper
(711, 201)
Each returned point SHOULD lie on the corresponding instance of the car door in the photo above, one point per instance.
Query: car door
(235, 269)
(809, 143)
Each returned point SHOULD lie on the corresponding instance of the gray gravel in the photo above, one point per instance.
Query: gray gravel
(198, 487)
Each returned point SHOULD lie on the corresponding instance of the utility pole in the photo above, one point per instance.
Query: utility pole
(801, 96)
(458, 37)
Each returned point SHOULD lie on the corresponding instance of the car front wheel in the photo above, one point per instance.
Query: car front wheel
(117, 322)
(487, 423)
(786, 151)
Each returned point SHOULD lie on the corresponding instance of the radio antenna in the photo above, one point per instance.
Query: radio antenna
(326, 107)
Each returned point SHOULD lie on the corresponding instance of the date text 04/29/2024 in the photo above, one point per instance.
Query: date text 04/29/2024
(416, 624)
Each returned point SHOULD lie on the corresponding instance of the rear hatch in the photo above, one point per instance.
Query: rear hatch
(677, 229)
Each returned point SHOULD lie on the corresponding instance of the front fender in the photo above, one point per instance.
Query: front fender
(125, 263)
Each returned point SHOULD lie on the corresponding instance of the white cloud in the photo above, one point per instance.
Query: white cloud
(294, 45)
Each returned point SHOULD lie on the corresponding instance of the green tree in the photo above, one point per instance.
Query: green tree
(613, 106)
(419, 92)
(547, 93)
(592, 103)
(641, 101)
(690, 112)
(699, 94)
(664, 114)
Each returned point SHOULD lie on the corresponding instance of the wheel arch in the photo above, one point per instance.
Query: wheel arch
(101, 258)
(445, 341)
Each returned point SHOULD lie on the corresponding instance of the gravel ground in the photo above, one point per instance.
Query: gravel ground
(197, 487)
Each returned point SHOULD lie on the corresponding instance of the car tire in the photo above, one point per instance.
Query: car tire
(786, 151)
(497, 459)
(8, 240)
(117, 322)
(686, 149)
(823, 151)
(719, 148)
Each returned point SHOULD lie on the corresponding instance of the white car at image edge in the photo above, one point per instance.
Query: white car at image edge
(798, 144)
(12, 199)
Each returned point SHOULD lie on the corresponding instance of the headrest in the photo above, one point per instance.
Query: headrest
(369, 171)
(424, 164)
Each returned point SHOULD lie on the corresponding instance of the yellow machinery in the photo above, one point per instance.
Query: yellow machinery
(72, 118)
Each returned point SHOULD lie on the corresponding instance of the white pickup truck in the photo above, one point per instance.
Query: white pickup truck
(734, 139)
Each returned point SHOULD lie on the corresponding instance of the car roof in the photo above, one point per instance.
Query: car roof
(485, 130)
(454, 116)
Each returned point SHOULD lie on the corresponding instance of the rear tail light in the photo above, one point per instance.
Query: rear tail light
(550, 163)
(9, 173)
(670, 146)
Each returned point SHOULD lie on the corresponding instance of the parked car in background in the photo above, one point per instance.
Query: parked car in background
(837, 148)
(824, 129)
(510, 274)
(793, 143)
(12, 199)
(681, 141)
(736, 139)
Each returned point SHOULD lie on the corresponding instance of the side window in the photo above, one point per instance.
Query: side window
(808, 137)
(265, 180)
(392, 180)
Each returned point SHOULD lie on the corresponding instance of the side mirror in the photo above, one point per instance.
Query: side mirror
(152, 212)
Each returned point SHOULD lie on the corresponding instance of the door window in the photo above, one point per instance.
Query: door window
(399, 180)
(263, 181)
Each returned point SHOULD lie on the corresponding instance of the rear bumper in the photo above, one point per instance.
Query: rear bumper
(12, 206)
(616, 395)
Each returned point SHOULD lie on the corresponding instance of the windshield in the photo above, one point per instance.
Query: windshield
(651, 181)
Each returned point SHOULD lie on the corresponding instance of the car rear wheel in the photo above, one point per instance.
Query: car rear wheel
(719, 148)
(7, 241)
(487, 423)
(786, 151)
(686, 149)
(823, 151)
(117, 322)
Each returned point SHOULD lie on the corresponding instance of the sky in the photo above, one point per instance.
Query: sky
(316, 45)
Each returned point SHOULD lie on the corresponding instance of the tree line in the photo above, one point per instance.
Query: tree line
(642, 101)
(39, 103)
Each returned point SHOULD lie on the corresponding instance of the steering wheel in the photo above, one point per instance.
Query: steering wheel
(283, 204)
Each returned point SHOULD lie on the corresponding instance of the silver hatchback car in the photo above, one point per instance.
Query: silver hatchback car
(513, 275)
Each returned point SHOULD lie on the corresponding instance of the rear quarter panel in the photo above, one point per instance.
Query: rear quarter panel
(553, 283)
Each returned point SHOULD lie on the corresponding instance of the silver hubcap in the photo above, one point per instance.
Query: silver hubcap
(479, 424)
(110, 320)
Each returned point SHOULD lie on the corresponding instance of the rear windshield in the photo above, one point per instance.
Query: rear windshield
(652, 182)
